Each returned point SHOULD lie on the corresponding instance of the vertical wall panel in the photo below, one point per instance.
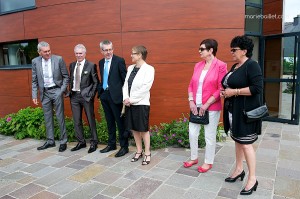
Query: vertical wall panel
(170, 29)
(11, 27)
(273, 11)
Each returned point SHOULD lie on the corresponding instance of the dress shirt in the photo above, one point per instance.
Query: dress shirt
(74, 73)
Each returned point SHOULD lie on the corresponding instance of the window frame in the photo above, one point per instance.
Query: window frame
(16, 67)
(17, 10)
(254, 5)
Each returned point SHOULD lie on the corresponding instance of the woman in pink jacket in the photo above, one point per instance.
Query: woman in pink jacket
(204, 92)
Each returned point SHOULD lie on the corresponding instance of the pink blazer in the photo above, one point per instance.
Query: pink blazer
(212, 82)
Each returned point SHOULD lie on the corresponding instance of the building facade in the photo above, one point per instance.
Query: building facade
(170, 29)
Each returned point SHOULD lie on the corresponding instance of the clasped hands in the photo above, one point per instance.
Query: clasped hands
(126, 102)
(202, 109)
(228, 92)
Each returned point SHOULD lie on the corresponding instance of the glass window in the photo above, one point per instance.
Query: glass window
(8, 6)
(17, 54)
(253, 19)
(254, 1)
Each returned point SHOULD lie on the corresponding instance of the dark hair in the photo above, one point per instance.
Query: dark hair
(142, 50)
(210, 43)
(244, 43)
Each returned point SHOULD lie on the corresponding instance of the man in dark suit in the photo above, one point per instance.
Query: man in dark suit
(83, 85)
(50, 76)
(113, 73)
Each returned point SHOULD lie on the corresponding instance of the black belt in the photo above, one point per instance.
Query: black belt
(50, 88)
(76, 92)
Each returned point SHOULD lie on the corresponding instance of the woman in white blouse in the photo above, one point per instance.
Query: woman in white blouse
(136, 98)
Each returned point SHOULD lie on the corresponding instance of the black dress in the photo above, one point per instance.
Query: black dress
(136, 116)
(240, 131)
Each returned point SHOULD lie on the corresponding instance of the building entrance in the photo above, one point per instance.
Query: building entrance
(280, 64)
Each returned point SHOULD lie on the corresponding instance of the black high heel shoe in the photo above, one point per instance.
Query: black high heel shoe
(145, 161)
(249, 192)
(134, 159)
(241, 175)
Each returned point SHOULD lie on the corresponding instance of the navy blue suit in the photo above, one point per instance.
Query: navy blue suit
(112, 99)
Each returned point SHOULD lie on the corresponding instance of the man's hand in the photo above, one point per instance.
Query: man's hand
(35, 101)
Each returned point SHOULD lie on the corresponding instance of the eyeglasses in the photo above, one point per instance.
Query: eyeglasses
(234, 49)
(107, 50)
(134, 53)
(202, 49)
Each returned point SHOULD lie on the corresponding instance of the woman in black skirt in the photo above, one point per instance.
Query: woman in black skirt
(243, 89)
(136, 98)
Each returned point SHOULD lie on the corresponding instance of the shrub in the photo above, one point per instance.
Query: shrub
(176, 134)
(29, 122)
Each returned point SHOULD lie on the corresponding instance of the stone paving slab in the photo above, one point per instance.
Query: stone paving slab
(55, 177)
(64, 187)
(28, 173)
(87, 173)
(46, 195)
(141, 189)
(87, 190)
(27, 191)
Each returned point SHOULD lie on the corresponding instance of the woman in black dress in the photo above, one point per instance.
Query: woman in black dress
(136, 98)
(243, 88)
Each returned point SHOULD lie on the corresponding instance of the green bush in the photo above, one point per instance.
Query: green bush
(29, 122)
(176, 134)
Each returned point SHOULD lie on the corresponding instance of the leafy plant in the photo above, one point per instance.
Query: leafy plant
(176, 134)
(29, 122)
(102, 126)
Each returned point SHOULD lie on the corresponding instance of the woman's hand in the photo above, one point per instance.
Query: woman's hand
(222, 93)
(228, 92)
(193, 107)
(126, 102)
(203, 109)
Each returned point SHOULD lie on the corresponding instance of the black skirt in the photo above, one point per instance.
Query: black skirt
(137, 118)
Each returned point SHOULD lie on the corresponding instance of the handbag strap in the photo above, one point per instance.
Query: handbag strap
(248, 86)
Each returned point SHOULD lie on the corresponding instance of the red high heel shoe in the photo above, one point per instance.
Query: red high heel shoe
(202, 170)
(187, 164)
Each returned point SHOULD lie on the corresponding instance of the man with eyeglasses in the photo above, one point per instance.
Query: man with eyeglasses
(113, 73)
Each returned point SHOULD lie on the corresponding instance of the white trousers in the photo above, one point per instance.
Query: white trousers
(210, 132)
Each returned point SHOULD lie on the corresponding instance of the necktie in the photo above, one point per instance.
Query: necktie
(105, 75)
(77, 77)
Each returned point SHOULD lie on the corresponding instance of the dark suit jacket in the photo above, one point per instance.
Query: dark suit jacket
(116, 78)
(60, 75)
(89, 79)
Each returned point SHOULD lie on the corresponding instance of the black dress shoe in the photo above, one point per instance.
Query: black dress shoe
(241, 175)
(46, 146)
(122, 152)
(62, 147)
(92, 148)
(249, 192)
(107, 149)
(79, 146)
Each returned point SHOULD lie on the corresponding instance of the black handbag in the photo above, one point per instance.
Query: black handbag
(257, 113)
(199, 119)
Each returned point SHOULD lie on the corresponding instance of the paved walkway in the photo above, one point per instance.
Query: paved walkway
(28, 173)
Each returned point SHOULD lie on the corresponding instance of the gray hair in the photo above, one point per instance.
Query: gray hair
(105, 42)
(80, 46)
(42, 44)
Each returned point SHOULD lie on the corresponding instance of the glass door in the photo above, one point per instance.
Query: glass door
(280, 65)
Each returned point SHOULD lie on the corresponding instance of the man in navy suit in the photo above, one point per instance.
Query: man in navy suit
(83, 85)
(113, 73)
(50, 77)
